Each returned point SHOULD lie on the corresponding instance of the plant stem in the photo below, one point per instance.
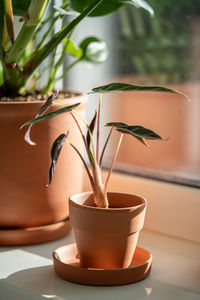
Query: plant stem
(98, 128)
(100, 199)
(58, 37)
(84, 163)
(112, 164)
(83, 137)
(35, 14)
(105, 145)
(7, 26)
(68, 69)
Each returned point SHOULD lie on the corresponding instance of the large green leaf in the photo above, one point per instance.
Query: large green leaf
(108, 6)
(20, 7)
(137, 131)
(124, 87)
(51, 114)
(94, 50)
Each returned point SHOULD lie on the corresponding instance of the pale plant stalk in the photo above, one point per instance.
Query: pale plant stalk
(112, 164)
(82, 134)
(105, 145)
(84, 163)
(98, 128)
(98, 188)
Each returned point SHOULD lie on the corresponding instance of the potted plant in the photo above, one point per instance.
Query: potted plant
(25, 202)
(106, 225)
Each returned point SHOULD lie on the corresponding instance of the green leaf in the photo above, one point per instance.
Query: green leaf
(20, 7)
(55, 152)
(109, 6)
(47, 49)
(137, 131)
(141, 4)
(104, 8)
(51, 114)
(94, 50)
(72, 49)
(124, 87)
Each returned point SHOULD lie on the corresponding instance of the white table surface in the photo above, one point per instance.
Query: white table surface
(26, 273)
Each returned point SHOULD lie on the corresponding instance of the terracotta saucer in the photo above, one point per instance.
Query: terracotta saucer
(66, 265)
(34, 235)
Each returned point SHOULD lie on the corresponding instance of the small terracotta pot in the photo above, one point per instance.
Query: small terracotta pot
(106, 238)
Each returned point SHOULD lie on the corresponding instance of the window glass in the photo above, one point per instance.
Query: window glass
(159, 50)
(164, 50)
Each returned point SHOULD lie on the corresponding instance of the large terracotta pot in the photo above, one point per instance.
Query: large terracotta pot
(25, 200)
(106, 238)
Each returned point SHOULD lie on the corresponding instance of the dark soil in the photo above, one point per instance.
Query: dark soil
(37, 96)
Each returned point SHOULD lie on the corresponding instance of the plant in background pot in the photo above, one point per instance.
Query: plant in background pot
(106, 225)
(24, 200)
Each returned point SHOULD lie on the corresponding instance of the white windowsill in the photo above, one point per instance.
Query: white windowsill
(26, 273)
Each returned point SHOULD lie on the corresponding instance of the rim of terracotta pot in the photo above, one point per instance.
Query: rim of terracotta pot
(69, 100)
(72, 200)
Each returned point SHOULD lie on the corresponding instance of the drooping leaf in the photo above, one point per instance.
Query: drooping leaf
(91, 129)
(72, 49)
(94, 50)
(51, 114)
(40, 112)
(108, 6)
(125, 87)
(55, 152)
(137, 131)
